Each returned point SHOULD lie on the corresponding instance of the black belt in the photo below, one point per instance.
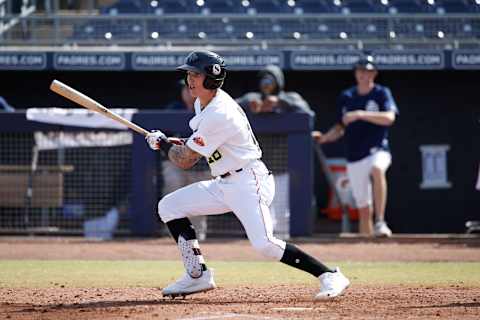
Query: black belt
(226, 174)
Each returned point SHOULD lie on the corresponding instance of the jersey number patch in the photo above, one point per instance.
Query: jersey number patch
(214, 157)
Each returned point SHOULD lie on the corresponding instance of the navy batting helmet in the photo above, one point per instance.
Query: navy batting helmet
(210, 64)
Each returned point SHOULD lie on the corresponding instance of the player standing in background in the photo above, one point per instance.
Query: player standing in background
(242, 183)
(364, 114)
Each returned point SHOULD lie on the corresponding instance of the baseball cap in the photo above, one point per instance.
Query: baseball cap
(365, 63)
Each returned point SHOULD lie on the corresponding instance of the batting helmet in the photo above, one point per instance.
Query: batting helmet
(210, 64)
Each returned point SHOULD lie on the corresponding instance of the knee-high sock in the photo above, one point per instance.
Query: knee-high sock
(183, 227)
(184, 234)
(296, 258)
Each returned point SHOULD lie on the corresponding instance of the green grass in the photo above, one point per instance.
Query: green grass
(120, 274)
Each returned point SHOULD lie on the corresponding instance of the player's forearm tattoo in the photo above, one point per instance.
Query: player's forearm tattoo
(183, 157)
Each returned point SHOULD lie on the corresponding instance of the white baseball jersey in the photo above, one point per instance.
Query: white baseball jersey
(222, 134)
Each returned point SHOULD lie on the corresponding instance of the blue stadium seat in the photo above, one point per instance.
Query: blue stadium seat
(410, 29)
(409, 6)
(225, 6)
(314, 6)
(457, 6)
(260, 27)
(126, 7)
(177, 6)
(165, 28)
(359, 6)
(118, 29)
(296, 26)
(214, 29)
(285, 28)
(268, 6)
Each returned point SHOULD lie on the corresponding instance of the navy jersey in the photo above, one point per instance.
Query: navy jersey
(364, 138)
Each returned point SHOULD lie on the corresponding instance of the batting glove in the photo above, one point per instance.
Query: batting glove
(155, 138)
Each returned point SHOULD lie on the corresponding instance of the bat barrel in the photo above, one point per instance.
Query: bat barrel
(87, 102)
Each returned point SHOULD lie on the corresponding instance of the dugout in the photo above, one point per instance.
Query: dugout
(436, 108)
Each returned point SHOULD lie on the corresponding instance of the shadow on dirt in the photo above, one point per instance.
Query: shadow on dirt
(130, 303)
(449, 305)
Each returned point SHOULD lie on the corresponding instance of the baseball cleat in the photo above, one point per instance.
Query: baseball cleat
(332, 284)
(187, 285)
(382, 230)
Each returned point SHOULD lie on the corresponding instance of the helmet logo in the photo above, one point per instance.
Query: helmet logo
(216, 69)
(192, 58)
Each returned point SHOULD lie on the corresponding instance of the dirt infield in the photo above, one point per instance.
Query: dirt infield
(239, 302)
(237, 250)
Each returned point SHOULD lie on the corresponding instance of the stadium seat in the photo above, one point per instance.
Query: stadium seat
(225, 6)
(214, 29)
(314, 6)
(176, 6)
(268, 6)
(359, 6)
(456, 6)
(125, 7)
(237, 18)
(260, 28)
(409, 6)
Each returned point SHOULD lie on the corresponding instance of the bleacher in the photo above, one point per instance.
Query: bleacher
(252, 7)
(230, 22)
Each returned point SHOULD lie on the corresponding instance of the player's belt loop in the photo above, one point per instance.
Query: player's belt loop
(226, 174)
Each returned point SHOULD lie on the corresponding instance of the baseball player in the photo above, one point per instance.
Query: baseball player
(241, 183)
(364, 113)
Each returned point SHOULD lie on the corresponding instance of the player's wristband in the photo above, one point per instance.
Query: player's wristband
(165, 146)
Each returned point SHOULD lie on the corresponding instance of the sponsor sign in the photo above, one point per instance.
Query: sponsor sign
(89, 61)
(240, 60)
(409, 60)
(23, 60)
(253, 60)
(157, 60)
(465, 59)
(323, 60)
(233, 60)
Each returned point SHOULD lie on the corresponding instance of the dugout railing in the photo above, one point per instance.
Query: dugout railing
(54, 178)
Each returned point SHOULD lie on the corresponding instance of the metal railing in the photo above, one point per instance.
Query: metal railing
(276, 30)
(26, 8)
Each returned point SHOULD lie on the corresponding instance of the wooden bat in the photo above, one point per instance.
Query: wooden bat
(87, 102)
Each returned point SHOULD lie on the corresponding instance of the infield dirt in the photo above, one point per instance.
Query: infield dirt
(454, 301)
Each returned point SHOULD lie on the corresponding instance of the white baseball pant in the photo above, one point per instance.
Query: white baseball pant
(248, 194)
(359, 175)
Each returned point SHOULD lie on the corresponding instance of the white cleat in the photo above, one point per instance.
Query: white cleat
(382, 230)
(332, 284)
(187, 285)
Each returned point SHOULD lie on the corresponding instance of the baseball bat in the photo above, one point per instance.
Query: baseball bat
(87, 102)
